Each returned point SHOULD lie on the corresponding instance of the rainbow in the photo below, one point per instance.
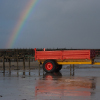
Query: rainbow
(22, 19)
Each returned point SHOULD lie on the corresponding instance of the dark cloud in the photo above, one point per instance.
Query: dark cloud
(54, 23)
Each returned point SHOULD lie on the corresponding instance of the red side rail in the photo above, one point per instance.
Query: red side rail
(64, 54)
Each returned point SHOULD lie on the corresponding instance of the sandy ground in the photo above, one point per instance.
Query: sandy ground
(82, 84)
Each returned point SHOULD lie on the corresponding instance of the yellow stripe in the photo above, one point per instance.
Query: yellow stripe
(76, 62)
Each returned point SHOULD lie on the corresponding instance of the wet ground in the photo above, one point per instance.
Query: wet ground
(82, 84)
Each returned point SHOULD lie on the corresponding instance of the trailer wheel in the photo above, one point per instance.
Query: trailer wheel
(58, 68)
(49, 66)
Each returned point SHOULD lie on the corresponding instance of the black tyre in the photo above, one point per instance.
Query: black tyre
(58, 68)
(49, 66)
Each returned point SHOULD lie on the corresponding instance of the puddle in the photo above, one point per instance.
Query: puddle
(35, 85)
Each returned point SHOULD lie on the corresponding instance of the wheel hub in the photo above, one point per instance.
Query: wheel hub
(48, 66)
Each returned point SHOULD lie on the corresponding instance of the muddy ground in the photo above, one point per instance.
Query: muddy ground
(82, 84)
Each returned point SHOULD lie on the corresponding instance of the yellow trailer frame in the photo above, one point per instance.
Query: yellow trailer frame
(69, 63)
(91, 61)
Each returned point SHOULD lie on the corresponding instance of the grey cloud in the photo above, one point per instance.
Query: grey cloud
(57, 23)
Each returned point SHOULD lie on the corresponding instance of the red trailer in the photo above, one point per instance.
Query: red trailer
(53, 60)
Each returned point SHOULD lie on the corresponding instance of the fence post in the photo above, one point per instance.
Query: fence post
(24, 64)
(9, 66)
(29, 63)
(17, 62)
(3, 64)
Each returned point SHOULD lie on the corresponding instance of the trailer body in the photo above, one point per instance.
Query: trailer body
(65, 55)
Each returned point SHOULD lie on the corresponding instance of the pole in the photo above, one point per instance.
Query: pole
(17, 62)
(29, 63)
(24, 64)
(9, 66)
(3, 64)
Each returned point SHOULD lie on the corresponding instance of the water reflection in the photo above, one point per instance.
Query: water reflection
(54, 85)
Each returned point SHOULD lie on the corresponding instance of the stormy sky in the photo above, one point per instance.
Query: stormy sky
(52, 24)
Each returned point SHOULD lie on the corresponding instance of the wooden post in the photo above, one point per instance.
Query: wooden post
(9, 66)
(3, 74)
(29, 63)
(23, 74)
(29, 73)
(17, 62)
(24, 64)
(3, 64)
(17, 73)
